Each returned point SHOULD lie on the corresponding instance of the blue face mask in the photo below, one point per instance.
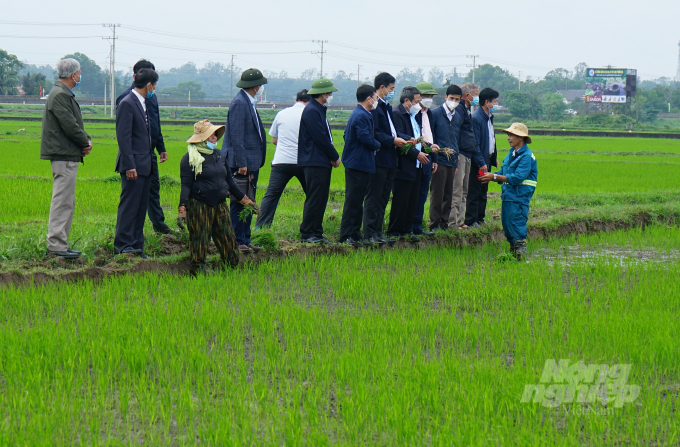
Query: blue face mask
(150, 94)
(475, 101)
(389, 96)
(211, 145)
(494, 108)
(78, 83)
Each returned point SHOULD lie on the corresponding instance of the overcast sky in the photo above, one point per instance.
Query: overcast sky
(531, 36)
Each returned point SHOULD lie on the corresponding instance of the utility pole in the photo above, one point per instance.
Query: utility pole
(231, 71)
(455, 76)
(519, 81)
(112, 81)
(104, 98)
(358, 76)
(474, 65)
(321, 53)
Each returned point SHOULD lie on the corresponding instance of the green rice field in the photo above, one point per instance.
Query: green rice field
(424, 346)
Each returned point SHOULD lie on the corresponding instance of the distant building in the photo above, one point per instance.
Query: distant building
(571, 95)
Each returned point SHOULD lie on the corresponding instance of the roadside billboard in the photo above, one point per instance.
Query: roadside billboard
(606, 85)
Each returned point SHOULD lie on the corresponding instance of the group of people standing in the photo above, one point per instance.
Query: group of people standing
(406, 152)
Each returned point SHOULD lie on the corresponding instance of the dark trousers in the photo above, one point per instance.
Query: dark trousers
(134, 198)
(379, 189)
(356, 186)
(475, 208)
(204, 221)
(155, 211)
(318, 182)
(278, 179)
(422, 198)
(242, 229)
(440, 200)
(404, 204)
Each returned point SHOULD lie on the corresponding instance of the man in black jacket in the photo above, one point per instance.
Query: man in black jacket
(407, 121)
(317, 156)
(382, 180)
(155, 210)
(134, 163)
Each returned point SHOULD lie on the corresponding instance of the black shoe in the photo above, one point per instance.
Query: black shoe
(475, 225)
(482, 223)
(352, 242)
(412, 237)
(75, 252)
(324, 241)
(387, 240)
(309, 240)
(64, 254)
(375, 240)
(427, 234)
(143, 255)
(367, 243)
(129, 250)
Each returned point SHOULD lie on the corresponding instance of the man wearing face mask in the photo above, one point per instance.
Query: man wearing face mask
(65, 143)
(155, 211)
(482, 123)
(427, 93)
(358, 156)
(407, 120)
(468, 153)
(382, 180)
(447, 121)
(134, 163)
(317, 156)
(245, 149)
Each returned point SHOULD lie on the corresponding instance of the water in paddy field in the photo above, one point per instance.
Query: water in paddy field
(614, 254)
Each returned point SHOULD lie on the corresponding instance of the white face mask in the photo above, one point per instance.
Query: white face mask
(426, 102)
(452, 104)
(415, 108)
(375, 104)
(329, 99)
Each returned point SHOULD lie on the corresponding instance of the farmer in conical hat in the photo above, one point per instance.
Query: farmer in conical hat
(518, 175)
(206, 182)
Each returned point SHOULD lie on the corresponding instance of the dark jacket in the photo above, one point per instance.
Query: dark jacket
(447, 133)
(315, 145)
(211, 185)
(134, 139)
(245, 142)
(467, 143)
(386, 157)
(63, 134)
(360, 142)
(154, 119)
(406, 169)
(480, 124)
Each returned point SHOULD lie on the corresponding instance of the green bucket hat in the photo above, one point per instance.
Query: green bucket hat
(252, 77)
(426, 88)
(322, 85)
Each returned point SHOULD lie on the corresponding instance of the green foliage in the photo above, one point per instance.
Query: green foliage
(93, 78)
(9, 68)
(553, 106)
(522, 104)
(31, 83)
(183, 90)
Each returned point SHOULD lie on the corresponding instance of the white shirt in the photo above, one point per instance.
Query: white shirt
(449, 114)
(286, 128)
(252, 101)
(492, 135)
(141, 99)
(389, 118)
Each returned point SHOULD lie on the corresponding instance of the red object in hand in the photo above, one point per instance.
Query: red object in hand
(480, 172)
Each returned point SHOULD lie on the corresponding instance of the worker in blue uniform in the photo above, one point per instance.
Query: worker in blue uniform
(518, 175)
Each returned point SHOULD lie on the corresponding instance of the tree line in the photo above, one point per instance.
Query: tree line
(527, 98)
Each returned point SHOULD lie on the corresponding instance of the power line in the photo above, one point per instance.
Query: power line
(113, 61)
(50, 37)
(200, 50)
(322, 52)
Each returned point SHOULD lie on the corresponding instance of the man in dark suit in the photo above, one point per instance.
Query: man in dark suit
(380, 186)
(407, 120)
(134, 163)
(245, 149)
(155, 210)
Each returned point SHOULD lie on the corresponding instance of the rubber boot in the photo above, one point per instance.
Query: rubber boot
(198, 269)
(521, 250)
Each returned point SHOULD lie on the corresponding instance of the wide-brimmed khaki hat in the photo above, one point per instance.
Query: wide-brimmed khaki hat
(520, 130)
(203, 130)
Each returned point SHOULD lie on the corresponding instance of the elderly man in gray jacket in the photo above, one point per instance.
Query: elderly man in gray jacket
(65, 143)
